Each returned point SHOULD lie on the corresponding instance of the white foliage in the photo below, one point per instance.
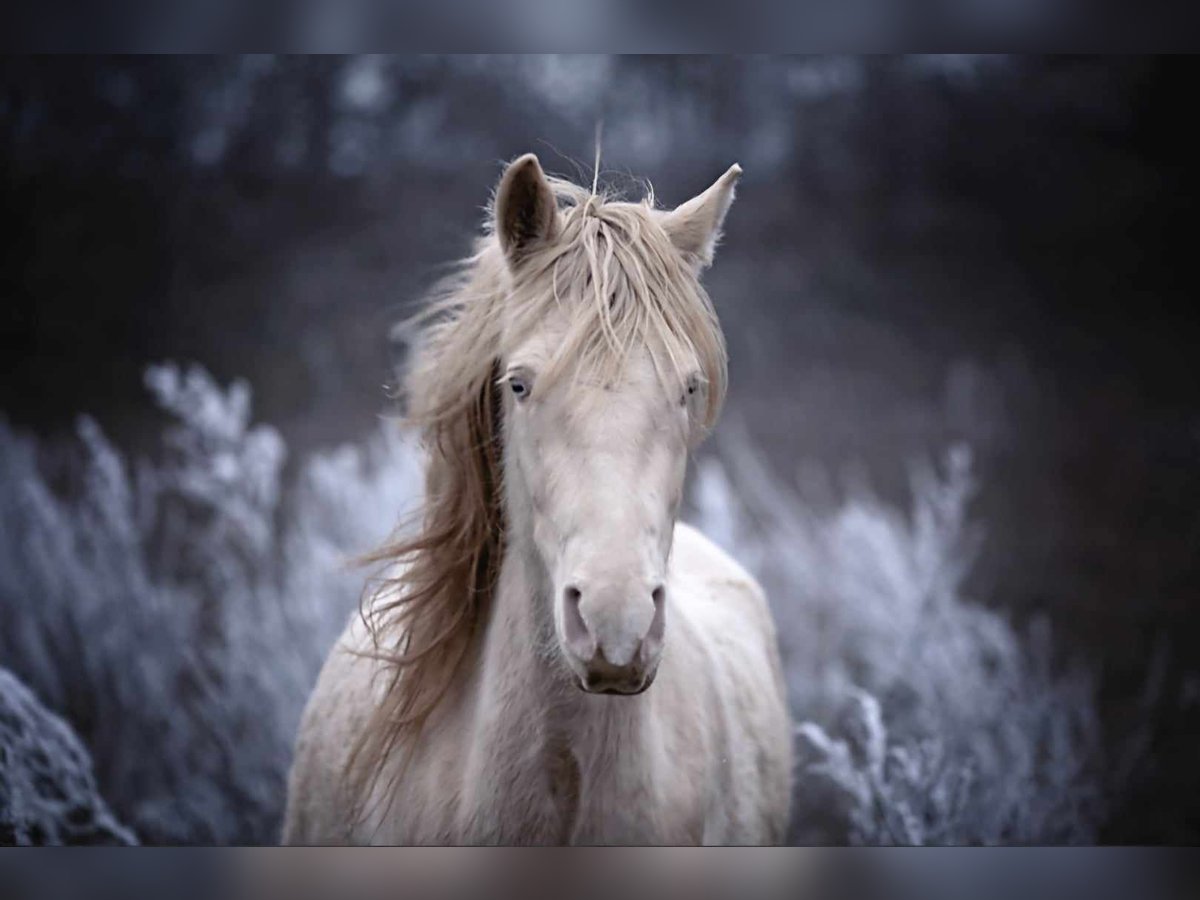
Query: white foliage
(927, 718)
(178, 616)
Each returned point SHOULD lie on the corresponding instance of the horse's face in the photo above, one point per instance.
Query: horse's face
(601, 469)
(595, 458)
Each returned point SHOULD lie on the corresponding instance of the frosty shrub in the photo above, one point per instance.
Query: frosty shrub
(177, 614)
(176, 611)
(47, 789)
(926, 718)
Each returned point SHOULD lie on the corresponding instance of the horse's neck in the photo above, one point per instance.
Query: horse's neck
(539, 757)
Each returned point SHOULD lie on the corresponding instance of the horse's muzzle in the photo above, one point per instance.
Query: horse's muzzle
(604, 678)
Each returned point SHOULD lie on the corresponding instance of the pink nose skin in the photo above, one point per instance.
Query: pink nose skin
(608, 667)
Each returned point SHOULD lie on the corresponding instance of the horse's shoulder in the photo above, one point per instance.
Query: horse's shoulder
(336, 711)
(698, 563)
(729, 640)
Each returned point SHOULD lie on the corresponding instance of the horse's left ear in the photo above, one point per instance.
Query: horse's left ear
(525, 209)
(695, 227)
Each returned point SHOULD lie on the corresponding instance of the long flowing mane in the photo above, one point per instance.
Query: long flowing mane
(614, 272)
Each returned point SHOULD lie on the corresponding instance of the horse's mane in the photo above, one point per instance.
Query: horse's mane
(614, 272)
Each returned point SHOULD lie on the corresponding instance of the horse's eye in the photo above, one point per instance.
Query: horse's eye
(692, 386)
(519, 387)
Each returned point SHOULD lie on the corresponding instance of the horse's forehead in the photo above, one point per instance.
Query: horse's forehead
(538, 347)
(636, 374)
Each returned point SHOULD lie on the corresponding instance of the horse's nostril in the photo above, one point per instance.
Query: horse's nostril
(652, 642)
(576, 630)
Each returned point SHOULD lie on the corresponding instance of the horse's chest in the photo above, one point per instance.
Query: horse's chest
(622, 801)
(570, 796)
(564, 786)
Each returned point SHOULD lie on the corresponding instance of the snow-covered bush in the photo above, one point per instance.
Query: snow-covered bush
(176, 612)
(47, 789)
(926, 717)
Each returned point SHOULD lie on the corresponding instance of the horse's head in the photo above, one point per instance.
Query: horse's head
(612, 367)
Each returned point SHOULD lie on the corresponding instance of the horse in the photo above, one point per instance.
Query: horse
(550, 656)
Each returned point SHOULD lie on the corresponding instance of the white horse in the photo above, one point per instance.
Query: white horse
(497, 687)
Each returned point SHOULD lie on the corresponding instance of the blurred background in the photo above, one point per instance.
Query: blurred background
(964, 419)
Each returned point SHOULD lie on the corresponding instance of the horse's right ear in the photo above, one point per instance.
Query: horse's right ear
(525, 209)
